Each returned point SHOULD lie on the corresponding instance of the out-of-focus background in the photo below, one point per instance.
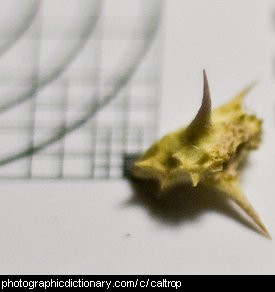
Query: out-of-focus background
(79, 86)
(85, 85)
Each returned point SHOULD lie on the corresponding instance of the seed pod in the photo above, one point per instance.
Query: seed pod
(210, 151)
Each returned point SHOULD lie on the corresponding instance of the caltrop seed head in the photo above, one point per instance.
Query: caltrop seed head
(210, 151)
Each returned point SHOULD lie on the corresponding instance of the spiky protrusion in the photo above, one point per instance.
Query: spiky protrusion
(202, 121)
(208, 152)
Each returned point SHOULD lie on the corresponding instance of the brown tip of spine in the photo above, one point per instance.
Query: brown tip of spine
(202, 120)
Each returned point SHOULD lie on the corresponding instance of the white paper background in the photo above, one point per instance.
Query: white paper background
(95, 227)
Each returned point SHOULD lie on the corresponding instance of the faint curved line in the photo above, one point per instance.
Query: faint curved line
(152, 24)
(58, 70)
(22, 28)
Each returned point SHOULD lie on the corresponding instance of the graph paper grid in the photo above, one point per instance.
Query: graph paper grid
(127, 125)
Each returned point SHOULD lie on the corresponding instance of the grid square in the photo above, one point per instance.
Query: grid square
(45, 166)
(76, 167)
